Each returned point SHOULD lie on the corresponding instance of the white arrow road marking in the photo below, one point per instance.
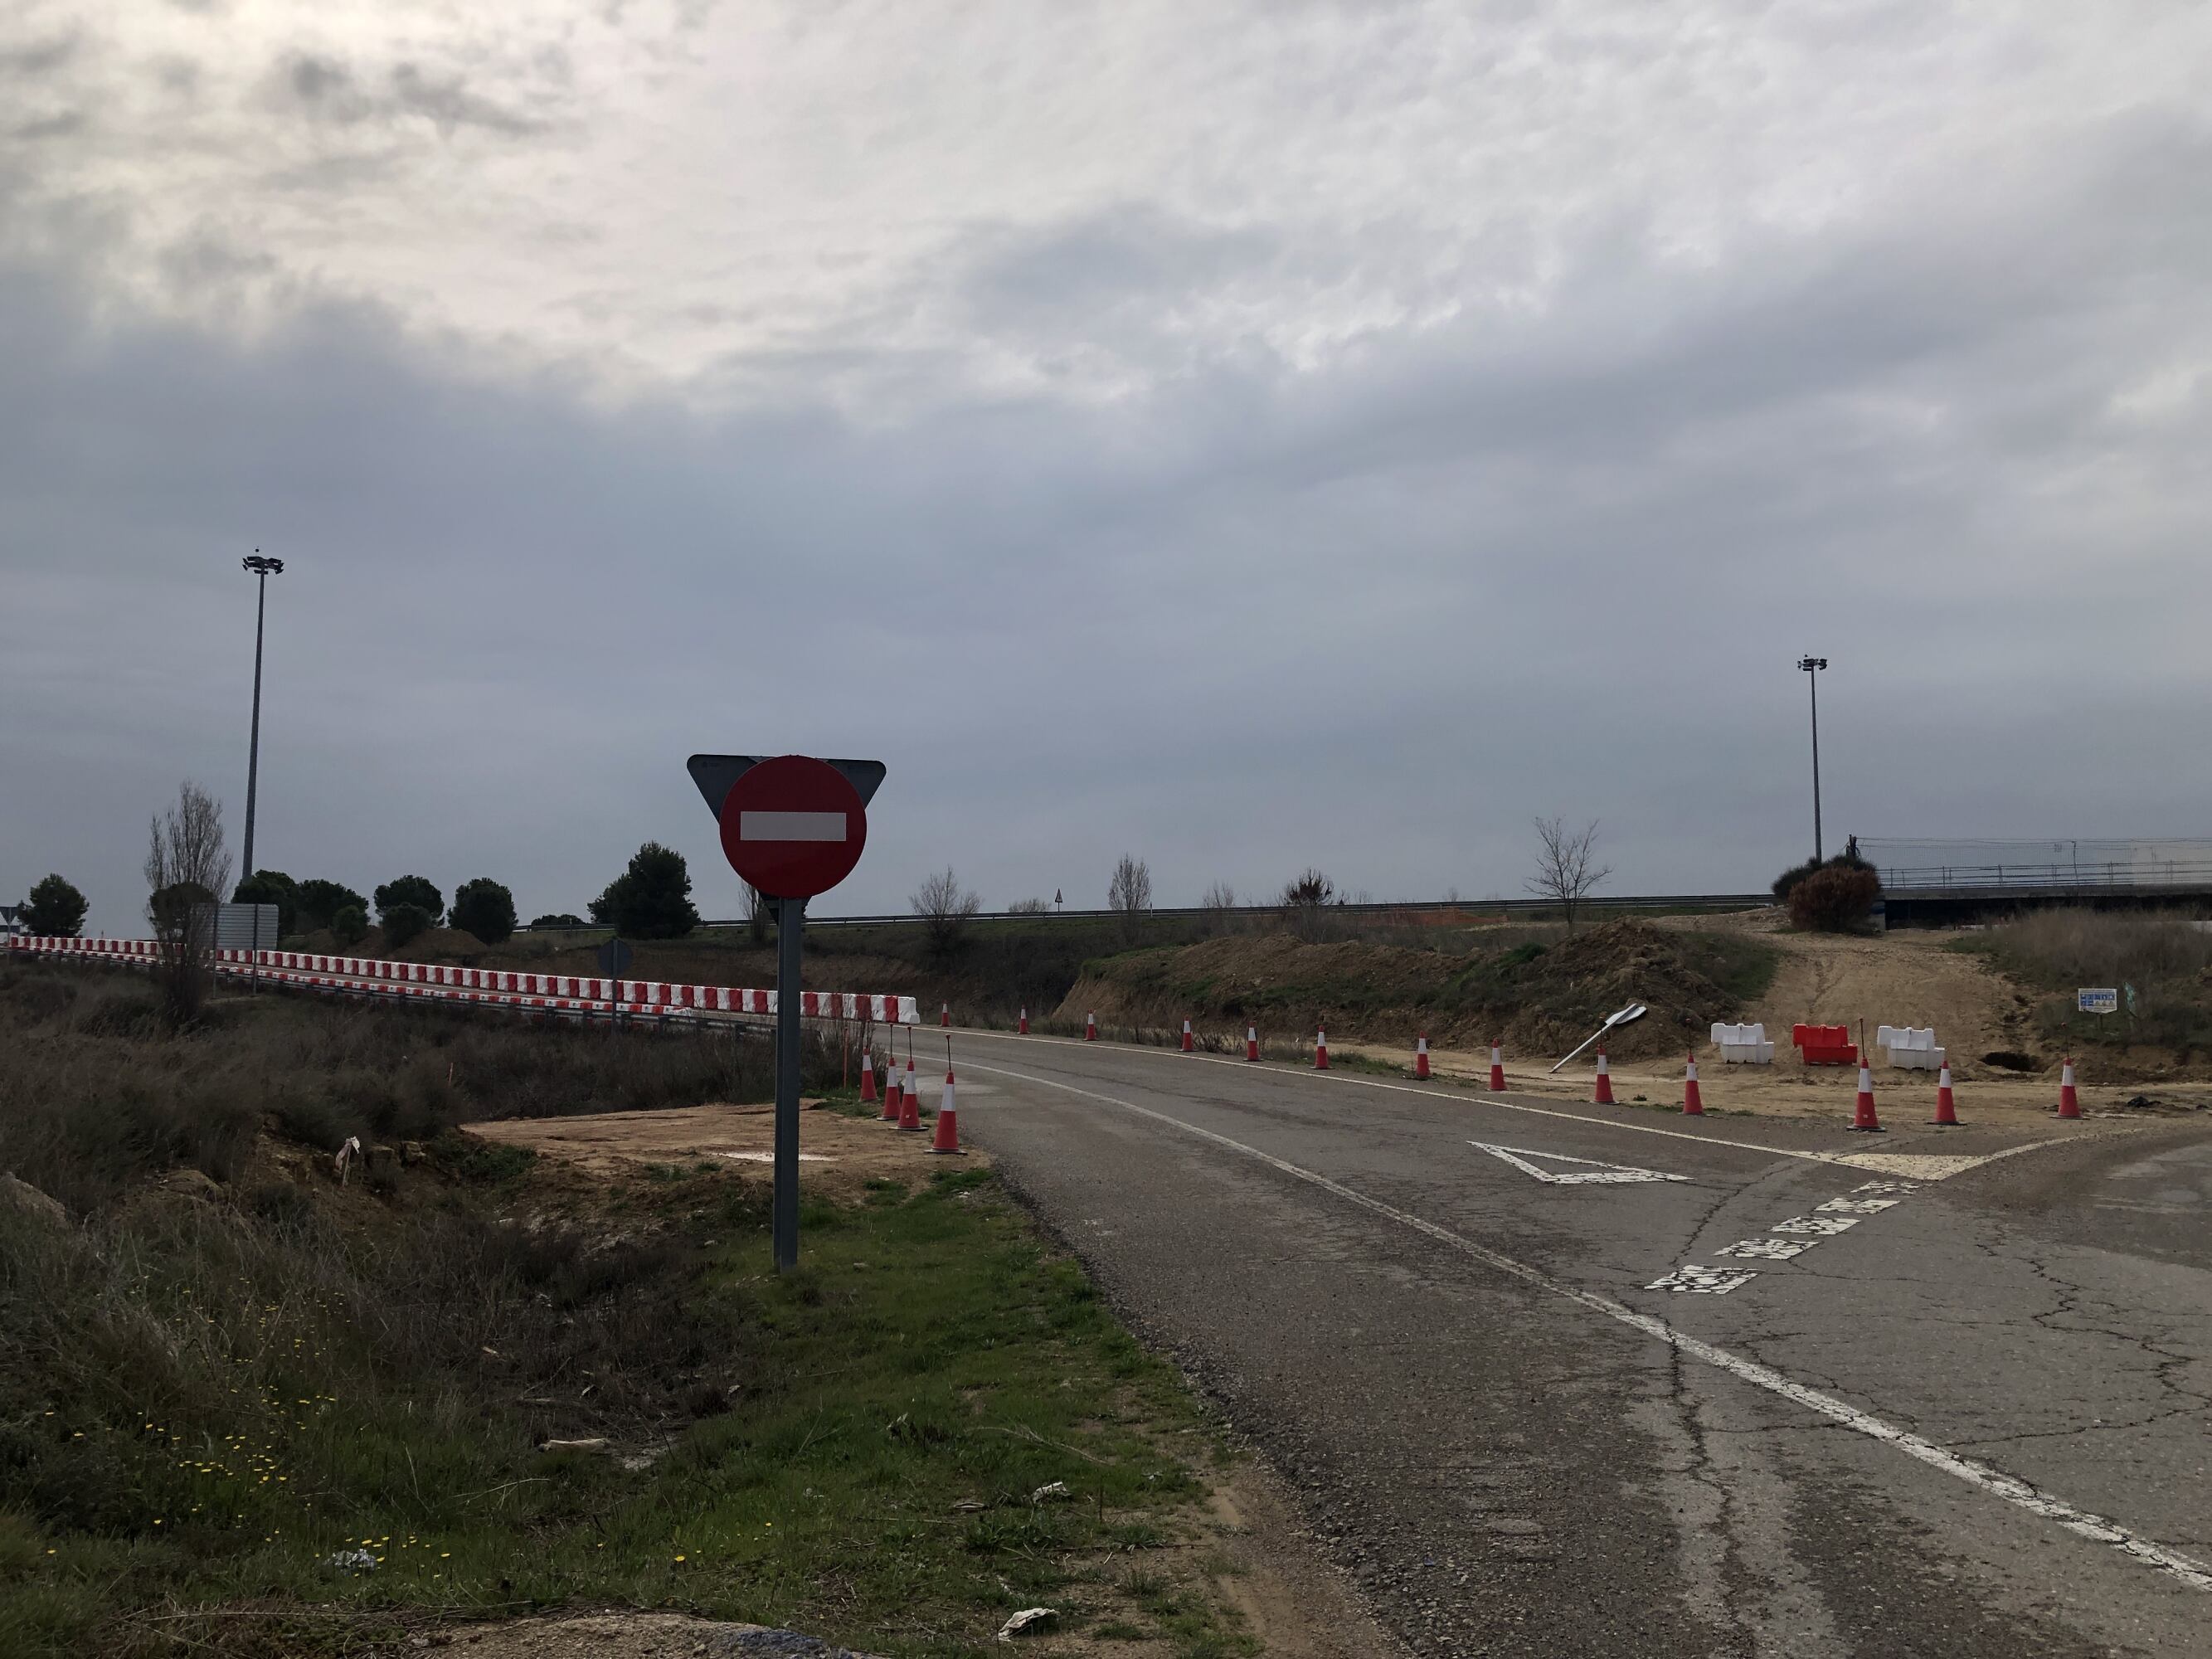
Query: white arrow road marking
(1598, 1175)
(1983, 1477)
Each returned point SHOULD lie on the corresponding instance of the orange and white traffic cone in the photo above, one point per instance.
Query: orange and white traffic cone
(910, 1107)
(1022, 1025)
(1946, 1106)
(1693, 1104)
(1421, 1055)
(944, 1015)
(894, 1096)
(1090, 1028)
(1496, 1068)
(1602, 1095)
(1251, 1043)
(1189, 1043)
(1321, 1051)
(1864, 1121)
(2070, 1098)
(948, 1124)
(867, 1078)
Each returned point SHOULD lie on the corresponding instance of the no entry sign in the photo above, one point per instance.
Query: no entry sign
(793, 826)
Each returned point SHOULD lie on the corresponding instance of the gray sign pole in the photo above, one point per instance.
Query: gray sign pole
(790, 926)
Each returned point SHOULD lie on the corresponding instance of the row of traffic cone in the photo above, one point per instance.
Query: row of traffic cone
(902, 1103)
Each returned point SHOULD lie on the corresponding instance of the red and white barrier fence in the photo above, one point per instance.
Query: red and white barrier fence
(498, 986)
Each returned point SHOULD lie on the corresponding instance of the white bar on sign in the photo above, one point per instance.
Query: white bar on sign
(791, 826)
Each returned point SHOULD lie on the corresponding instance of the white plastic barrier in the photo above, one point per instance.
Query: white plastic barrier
(1911, 1048)
(1743, 1045)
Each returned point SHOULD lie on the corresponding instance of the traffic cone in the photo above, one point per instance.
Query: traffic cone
(1602, 1096)
(1947, 1108)
(1251, 1043)
(910, 1107)
(1693, 1104)
(1189, 1045)
(1496, 1068)
(1090, 1028)
(867, 1078)
(894, 1096)
(1321, 1051)
(944, 1016)
(948, 1124)
(2069, 1099)
(1864, 1121)
(1421, 1057)
(1024, 1025)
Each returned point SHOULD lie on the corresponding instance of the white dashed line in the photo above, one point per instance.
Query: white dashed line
(1974, 1473)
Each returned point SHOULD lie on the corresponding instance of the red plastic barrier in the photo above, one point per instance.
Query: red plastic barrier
(1824, 1045)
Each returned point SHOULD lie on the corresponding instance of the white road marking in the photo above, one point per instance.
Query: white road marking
(1765, 1249)
(1824, 1226)
(1923, 1166)
(1973, 1472)
(1857, 1206)
(1900, 1188)
(1703, 1281)
(1598, 1174)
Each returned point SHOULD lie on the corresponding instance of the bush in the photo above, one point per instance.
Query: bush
(320, 902)
(403, 923)
(652, 899)
(54, 909)
(557, 919)
(410, 890)
(350, 926)
(1834, 899)
(485, 908)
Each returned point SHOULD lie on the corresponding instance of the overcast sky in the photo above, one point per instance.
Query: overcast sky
(1243, 435)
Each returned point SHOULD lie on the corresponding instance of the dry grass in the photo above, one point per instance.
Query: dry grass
(2167, 963)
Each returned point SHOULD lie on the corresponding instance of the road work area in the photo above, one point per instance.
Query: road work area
(1553, 1378)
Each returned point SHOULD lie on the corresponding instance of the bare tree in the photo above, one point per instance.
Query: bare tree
(1304, 900)
(947, 907)
(1130, 893)
(1219, 897)
(760, 910)
(1029, 907)
(186, 867)
(1566, 866)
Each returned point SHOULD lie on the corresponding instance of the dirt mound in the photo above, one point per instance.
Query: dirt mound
(1538, 997)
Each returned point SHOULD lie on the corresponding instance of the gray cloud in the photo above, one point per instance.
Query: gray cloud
(327, 89)
(1169, 582)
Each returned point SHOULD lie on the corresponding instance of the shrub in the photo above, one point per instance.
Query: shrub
(652, 899)
(485, 908)
(1834, 899)
(557, 919)
(350, 926)
(54, 909)
(320, 902)
(1786, 883)
(410, 890)
(405, 923)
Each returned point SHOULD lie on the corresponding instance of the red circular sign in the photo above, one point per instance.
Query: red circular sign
(792, 826)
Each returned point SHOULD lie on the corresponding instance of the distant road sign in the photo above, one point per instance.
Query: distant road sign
(614, 959)
(793, 826)
(2098, 1001)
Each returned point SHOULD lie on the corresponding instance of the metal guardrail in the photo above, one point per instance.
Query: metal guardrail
(1475, 910)
(2174, 876)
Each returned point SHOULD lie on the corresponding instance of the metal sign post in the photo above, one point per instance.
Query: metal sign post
(793, 827)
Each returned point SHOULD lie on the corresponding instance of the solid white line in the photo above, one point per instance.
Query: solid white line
(1972, 1471)
(1461, 1097)
(1616, 1173)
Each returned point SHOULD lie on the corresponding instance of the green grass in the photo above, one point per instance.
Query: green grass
(897, 1402)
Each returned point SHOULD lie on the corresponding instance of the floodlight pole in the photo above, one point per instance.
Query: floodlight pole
(261, 569)
(1813, 665)
(790, 926)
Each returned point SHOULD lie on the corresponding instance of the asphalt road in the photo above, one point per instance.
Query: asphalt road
(1973, 1420)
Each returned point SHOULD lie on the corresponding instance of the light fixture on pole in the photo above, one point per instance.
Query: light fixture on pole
(261, 569)
(1813, 665)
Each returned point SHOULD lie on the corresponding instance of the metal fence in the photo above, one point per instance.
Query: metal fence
(2088, 865)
